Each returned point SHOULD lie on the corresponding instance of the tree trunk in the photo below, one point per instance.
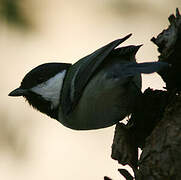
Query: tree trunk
(157, 128)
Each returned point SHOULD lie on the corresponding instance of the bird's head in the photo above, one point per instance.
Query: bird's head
(41, 87)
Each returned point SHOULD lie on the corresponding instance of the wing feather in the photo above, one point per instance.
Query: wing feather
(80, 73)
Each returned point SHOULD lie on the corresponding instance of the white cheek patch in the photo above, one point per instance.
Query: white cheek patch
(50, 90)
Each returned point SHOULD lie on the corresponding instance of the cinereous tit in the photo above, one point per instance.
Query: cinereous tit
(97, 91)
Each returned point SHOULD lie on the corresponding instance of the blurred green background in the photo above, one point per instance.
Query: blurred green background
(33, 146)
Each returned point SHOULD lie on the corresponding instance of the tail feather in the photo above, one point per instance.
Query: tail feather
(131, 69)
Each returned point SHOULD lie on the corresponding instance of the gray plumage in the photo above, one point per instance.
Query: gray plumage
(98, 91)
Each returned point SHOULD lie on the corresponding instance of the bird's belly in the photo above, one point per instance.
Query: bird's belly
(103, 103)
(97, 113)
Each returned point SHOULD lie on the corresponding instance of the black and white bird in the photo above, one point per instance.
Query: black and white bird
(96, 92)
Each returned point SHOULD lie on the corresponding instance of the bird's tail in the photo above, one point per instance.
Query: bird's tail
(132, 68)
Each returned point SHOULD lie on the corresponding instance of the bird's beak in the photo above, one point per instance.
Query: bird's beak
(18, 92)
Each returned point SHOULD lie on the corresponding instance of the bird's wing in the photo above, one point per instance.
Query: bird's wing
(80, 73)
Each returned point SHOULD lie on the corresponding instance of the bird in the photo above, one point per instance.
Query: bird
(97, 91)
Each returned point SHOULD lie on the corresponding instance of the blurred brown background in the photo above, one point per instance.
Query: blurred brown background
(33, 146)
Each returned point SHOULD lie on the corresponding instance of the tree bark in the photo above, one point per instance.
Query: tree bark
(157, 129)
